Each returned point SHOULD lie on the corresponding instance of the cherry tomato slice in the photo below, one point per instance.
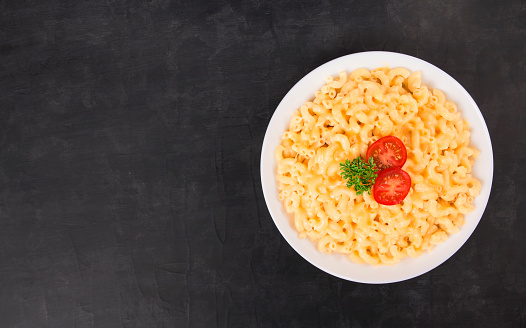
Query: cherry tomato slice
(387, 152)
(391, 186)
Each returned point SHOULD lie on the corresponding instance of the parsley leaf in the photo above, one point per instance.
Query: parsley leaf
(359, 173)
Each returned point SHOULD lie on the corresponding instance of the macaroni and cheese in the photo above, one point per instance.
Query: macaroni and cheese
(346, 116)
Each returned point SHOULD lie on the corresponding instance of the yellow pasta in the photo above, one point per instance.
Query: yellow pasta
(346, 116)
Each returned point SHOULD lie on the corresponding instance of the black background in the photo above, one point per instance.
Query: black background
(130, 136)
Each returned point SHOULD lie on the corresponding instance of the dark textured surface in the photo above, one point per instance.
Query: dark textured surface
(130, 134)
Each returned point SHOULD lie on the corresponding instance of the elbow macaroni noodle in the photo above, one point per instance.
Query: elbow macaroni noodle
(345, 117)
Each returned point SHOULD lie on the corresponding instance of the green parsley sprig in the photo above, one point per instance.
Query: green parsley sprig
(359, 173)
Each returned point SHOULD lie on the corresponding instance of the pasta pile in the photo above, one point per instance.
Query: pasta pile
(346, 116)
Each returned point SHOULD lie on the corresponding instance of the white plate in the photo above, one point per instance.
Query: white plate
(337, 264)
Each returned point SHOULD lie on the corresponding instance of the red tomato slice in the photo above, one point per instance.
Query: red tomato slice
(387, 152)
(391, 186)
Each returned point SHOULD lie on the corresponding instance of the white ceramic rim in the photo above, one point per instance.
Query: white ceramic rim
(337, 264)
